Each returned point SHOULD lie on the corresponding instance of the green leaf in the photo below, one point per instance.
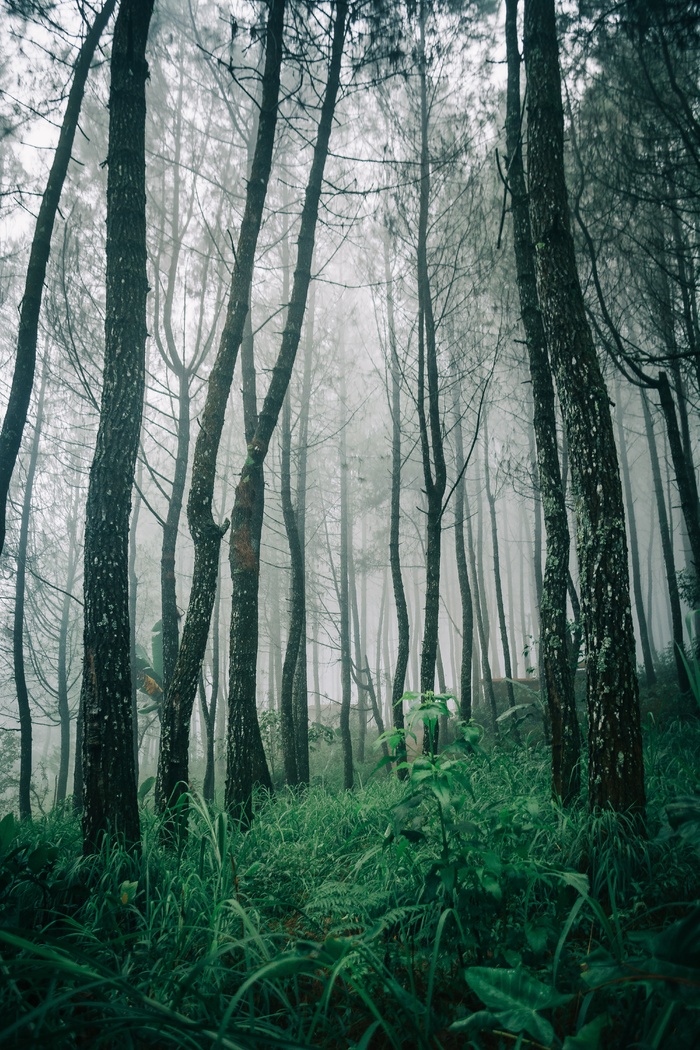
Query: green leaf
(516, 997)
(588, 1038)
(146, 787)
(8, 830)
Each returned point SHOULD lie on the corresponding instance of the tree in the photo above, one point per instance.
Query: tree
(616, 769)
(25, 361)
(246, 765)
(206, 533)
(109, 792)
(556, 673)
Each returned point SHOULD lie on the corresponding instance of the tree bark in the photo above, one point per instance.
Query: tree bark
(556, 673)
(246, 765)
(667, 551)
(465, 591)
(490, 499)
(63, 658)
(173, 762)
(25, 361)
(109, 789)
(402, 624)
(344, 610)
(23, 705)
(430, 424)
(649, 671)
(296, 602)
(616, 769)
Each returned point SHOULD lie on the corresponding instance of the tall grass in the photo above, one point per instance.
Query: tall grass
(433, 915)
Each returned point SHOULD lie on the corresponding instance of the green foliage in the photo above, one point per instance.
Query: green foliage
(460, 908)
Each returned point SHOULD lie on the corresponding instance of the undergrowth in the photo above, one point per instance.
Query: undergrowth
(460, 909)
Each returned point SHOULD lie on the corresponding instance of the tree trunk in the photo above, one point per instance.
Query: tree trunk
(344, 603)
(649, 671)
(63, 658)
(465, 591)
(616, 769)
(497, 569)
(483, 636)
(296, 603)
(109, 791)
(173, 765)
(555, 671)
(402, 624)
(430, 425)
(667, 551)
(301, 689)
(25, 361)
(246, 764)
(23, 706)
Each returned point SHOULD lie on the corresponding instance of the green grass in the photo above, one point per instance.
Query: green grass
(461, 909)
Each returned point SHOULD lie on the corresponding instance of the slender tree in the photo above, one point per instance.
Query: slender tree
(109, 777)
(25, 361)
(206, 533)
(246, 765)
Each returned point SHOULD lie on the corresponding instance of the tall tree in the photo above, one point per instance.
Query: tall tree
(246, 764)
(616, 769)
(109, 778)
(430, 423)
(173, 756)
(25, 361)
(23, 705)
(556, 672)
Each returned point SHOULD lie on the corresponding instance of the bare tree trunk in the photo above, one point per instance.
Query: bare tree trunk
(667, 551)
(173, 771)
(497, 569)
(23, 706)
(555, 672)
(649, 671)
(62, 664)
(344, 603)
(430, 424)
(465, 591)
(109, 792)
(246, 765)
(616, 768)
(25, 361)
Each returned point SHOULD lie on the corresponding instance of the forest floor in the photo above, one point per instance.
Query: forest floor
(462, 908)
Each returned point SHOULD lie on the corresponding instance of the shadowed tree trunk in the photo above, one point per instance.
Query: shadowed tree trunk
(109, 775)
(402, 625)
(491, 500)
(301, 690)
(556, 673)
(616, 769)
(25, 361)
(173, 763)
(25, 714)
(246, 765)
(649, 671)
(296, 601)
(667, 551)
(63, 656)
(344, 610)
(430, 424)
(465, 591)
